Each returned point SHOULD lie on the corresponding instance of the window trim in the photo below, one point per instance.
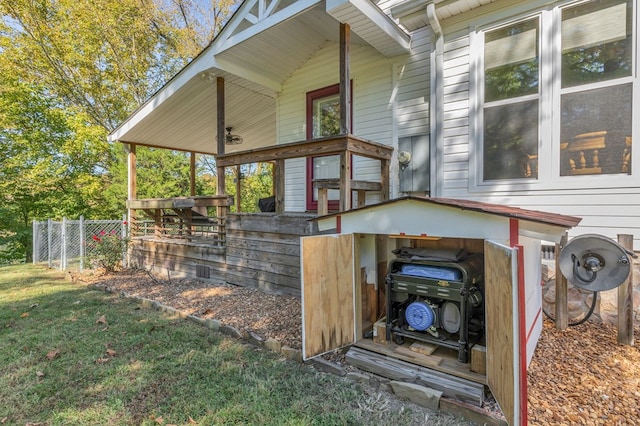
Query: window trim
(311, 96)
(549, 125)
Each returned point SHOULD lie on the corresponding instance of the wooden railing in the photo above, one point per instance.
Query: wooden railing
(183, 218)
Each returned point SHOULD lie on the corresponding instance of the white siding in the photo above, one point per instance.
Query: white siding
(455, 124)
(412, 109)
(371, 74)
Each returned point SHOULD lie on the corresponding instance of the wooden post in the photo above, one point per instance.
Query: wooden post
(362, 198)
(132, 181)
(238, 188)
(345, 82)
(278, 185)
(220, 124)
(345, 181)
(562, 307)
(625, 298)
(384, 179)
(192, 174)
(323, 201)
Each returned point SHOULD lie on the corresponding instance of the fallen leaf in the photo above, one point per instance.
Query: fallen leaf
(52, 354)
(102, 360)
(102, 320)
(192, 422)
(111, 352)
(159, 420)
(39, 374)
(24, 314)
(3, 420)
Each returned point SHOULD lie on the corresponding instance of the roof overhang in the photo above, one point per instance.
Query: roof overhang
(255, 57)
(411, 13)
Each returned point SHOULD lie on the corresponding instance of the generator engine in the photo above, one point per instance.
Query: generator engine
(438, 302)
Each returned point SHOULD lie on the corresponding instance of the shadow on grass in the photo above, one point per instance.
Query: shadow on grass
(77, 356)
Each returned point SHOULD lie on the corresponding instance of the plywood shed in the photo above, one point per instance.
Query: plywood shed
(346, 278)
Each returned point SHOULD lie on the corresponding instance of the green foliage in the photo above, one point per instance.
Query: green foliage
(106, 250)
(256, 182)
(70, 71)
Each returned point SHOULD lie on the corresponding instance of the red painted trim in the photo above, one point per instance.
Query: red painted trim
(339, 224)
(533, 324)
(334, 89)
(522, 335)
(514, 232)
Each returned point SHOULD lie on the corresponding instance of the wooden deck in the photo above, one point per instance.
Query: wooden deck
(260, 250)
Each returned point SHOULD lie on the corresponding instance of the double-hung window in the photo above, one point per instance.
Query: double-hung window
(511, 101)
(596, 88)
(563, 105)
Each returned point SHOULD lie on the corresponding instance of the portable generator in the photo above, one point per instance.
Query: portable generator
(438, 302)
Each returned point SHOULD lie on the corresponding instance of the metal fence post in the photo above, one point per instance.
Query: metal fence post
(49, 260)
(63, 248)
(82, 239)
(123, 227)
(34, 246)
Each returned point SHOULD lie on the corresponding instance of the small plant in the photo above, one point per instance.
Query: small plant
(105, 250)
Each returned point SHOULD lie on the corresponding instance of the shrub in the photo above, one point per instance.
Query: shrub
(105, 250)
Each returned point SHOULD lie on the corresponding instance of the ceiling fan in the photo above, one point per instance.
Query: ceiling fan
(231, 139)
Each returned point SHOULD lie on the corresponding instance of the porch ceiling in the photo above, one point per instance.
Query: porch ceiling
(182, 115)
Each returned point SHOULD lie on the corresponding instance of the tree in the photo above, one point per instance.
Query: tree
(70, 71)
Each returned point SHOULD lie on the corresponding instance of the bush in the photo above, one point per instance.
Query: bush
(106, 250)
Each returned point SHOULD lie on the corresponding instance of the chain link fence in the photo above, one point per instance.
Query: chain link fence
(63, 245)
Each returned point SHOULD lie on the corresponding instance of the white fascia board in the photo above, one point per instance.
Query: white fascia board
(376, 16)
(201, 64)
(288, 12)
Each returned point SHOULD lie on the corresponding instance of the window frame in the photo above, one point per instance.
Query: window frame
(312, 96)
(550, 95)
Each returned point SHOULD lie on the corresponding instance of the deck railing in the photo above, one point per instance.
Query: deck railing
(184, 218)
(211, 232)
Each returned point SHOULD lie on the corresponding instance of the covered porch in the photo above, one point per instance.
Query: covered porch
(235, 87)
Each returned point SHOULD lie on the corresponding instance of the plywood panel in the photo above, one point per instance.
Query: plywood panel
(328, 286)
(501, 331)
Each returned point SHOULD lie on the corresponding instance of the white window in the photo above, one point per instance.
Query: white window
(578, 82)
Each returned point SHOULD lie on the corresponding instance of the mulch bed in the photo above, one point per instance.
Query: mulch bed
(577, 376)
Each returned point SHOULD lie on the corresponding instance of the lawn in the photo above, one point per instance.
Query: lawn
(71, 355)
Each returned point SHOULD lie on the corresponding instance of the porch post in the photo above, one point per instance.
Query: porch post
(278, 185)
(221, 211)
(192, 174)
(345, 81)
(345, 181)
(238, 188)
(132, 180)
(384, 179)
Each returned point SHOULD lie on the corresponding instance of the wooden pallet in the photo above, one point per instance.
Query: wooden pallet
(395, 369)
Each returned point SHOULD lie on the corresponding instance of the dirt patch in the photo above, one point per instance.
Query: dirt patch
(577, 376)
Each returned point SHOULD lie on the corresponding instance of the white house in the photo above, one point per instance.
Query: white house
(522, 103)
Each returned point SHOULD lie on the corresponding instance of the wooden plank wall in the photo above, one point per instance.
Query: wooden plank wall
(182, 258)
(263, 250)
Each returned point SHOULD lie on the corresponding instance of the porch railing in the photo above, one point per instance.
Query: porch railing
(185, 218)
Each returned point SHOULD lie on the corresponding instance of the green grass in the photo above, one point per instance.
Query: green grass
(60, 364)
